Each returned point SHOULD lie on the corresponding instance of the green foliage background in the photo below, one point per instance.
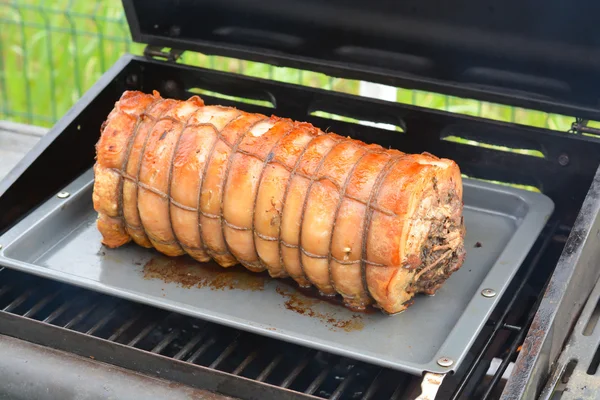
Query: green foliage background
(52, 51)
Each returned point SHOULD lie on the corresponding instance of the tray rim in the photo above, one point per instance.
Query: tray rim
(528, 229)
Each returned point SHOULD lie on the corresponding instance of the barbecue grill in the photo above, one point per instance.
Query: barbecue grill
(108, 345)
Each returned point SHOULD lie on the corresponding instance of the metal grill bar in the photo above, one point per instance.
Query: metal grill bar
(373, 387)
(17, 302)
(123, 328)
(188, 347)
(297, 370)
(80, 299)
(80, 316)
(343, 385)
(316, 383)
(400, 388)
(149, 328)
(166, 341)
(267, 371)
(57, 313)
(103, 321)
(240, 368)
(201, 350)
(41, 304)
(224, 354)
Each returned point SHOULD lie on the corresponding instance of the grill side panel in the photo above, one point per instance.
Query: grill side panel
(572, 281)
(131, 358)
(28, 371)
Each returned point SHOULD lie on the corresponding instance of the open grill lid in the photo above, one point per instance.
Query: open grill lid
(540, 54)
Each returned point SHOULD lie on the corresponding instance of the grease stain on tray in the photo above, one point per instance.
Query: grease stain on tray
(301, 304)
(188, 273)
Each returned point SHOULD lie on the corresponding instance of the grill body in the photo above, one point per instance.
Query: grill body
(223, 360)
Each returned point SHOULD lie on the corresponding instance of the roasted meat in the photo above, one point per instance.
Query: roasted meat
(374, 225)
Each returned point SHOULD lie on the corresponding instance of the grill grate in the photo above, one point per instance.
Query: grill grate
(270, 361)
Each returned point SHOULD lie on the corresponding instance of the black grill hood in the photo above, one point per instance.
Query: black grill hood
(538, 54)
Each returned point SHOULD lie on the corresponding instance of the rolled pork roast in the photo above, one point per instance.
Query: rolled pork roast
(373, 225)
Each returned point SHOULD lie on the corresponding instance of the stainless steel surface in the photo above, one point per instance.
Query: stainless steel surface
(568, 290)
(29, 371)
(505, 221)
(576, 374)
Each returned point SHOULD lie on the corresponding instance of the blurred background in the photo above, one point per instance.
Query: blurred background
(52, 51)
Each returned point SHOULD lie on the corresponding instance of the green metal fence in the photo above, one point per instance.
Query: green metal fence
(52, 51)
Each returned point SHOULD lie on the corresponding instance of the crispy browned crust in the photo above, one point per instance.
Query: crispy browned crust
(372, 224)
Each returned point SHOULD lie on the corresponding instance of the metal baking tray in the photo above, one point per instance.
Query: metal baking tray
(59, 240)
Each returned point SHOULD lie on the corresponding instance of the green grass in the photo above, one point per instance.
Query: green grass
(52, 51)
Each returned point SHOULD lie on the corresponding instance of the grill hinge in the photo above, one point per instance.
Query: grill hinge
(580, 126)
(155, 52)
